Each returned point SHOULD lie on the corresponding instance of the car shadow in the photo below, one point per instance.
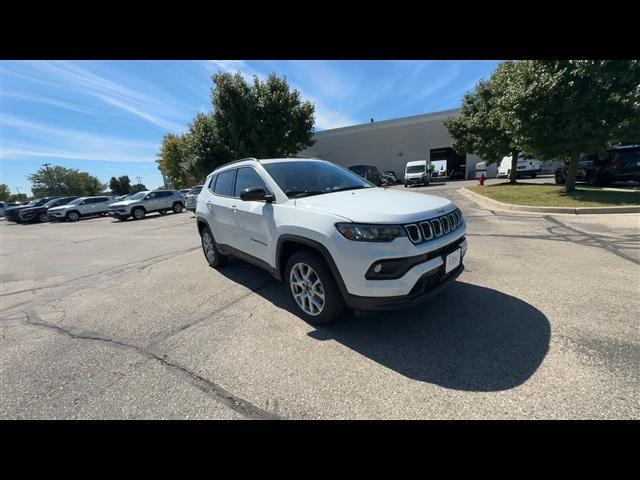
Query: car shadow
(468, 337)
(148, 216)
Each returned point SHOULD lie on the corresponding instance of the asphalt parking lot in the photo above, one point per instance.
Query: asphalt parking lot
(106, 319)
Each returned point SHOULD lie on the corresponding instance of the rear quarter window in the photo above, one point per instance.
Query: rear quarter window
(225, 183)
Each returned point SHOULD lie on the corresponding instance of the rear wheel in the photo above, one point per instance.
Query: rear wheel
(312, 288)
(210, 250)
(138, 213)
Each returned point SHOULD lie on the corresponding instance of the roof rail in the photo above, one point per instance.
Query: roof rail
(236, 161)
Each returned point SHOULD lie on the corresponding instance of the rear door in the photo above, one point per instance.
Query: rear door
(221, 209)
(254, 219)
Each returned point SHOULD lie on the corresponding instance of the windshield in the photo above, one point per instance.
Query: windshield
(137, 196)
(415, 168)
(51, 202)
(306, 178)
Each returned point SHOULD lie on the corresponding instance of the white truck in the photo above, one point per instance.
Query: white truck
(528, 167)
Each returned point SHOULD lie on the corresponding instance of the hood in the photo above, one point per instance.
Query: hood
(377, 205)
(32, 209)
(124, 203)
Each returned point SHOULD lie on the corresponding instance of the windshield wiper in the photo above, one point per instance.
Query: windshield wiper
(303, 193)
(352, 187)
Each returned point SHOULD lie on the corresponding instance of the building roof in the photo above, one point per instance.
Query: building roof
(395, 122)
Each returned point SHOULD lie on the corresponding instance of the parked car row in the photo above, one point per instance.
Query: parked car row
(619, 164)
(74, 208)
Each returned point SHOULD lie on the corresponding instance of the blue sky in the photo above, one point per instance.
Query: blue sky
(108, 117)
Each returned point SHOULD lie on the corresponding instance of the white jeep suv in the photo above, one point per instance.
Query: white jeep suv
(335, 239)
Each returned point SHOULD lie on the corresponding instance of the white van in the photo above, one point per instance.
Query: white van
(417, 173)
(529, 167)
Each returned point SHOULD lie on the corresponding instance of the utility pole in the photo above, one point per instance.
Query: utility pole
(139, 180)
(53, 185)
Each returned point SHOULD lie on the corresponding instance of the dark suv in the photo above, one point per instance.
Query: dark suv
(368, 172)
(13, 213)
(39, 214)
(619, 164)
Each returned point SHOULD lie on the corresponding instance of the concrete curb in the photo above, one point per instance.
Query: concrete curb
(487, 202)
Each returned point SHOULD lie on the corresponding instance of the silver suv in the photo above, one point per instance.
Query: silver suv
(191, 198)
(141, 203)
(81, 207)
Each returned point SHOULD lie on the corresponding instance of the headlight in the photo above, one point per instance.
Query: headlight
(370, 233)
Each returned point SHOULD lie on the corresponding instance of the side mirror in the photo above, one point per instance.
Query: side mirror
(257, 194)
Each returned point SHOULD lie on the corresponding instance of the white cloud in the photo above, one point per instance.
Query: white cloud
(160, 109)
(58, 142)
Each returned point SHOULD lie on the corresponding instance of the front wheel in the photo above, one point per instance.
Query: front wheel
(177, 207)
(210, 250)
(73, 216)
(312, 288)
(138, 213)
(43, 217)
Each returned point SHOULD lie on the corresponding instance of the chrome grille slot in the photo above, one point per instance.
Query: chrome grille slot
(445, 224)
(413, 232)
(453, 220)
(437, 227)
(427, 232)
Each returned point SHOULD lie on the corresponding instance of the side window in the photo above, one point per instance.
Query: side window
(165, 194)
(152, 195)
(100, 200)
(224, 184)
(212, 183)
(247, 177)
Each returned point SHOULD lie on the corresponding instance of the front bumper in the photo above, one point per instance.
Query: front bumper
(427, 286)
(417, 181)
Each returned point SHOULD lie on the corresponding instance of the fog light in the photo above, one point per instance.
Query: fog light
(377, 268)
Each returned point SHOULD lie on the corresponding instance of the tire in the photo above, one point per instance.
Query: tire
(210, 249)
(177, 207)
(405, 185)
(560, 180)
(138, 213)
(308, 267)
(73, 216)
(43, 217)
(533, 175)
(162, 212)
(595, 179)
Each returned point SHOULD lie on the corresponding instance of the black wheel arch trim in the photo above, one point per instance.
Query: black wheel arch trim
(316, 246)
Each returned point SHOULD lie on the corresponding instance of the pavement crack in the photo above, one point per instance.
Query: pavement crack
(212, 389)
(165, 336)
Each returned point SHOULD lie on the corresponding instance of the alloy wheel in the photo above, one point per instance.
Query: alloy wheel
(307, 289)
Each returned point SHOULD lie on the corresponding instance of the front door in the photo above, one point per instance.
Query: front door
(254, 218)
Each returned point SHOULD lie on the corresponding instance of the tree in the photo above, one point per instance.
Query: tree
(205, 148)
(5, 193)
(64, 181)
(172, 157)
(265, 119)
(486, 125)
(120, 185)
(138, 187)
(562, 109)
(18, 197)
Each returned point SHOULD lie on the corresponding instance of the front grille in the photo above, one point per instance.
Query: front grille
(434, 228)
